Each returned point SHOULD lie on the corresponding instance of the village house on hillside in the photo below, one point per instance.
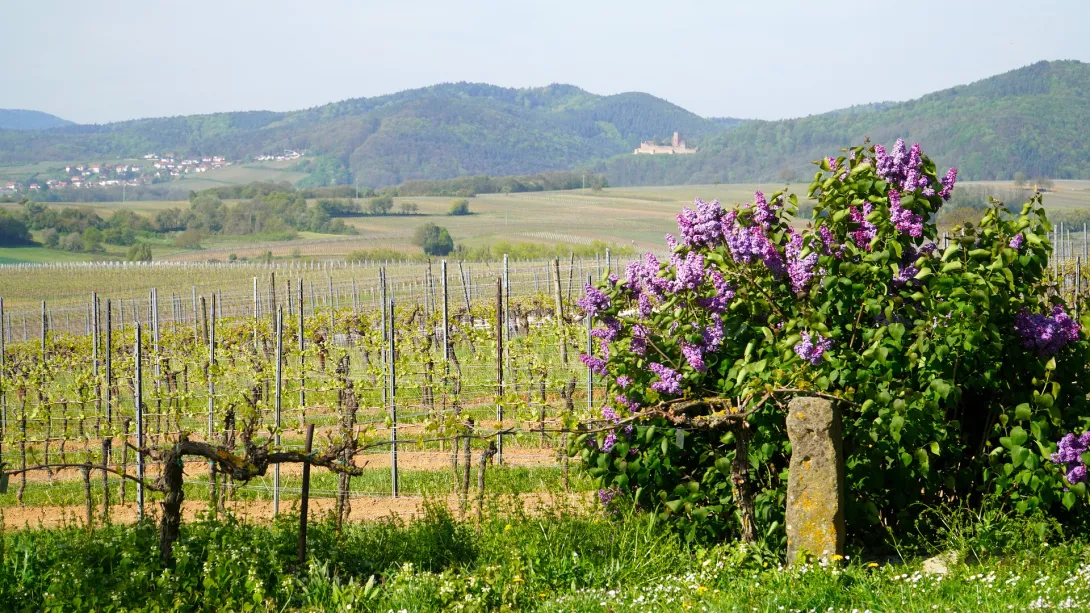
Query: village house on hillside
(676, 146)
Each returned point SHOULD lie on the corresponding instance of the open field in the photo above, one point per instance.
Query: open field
(633, 216)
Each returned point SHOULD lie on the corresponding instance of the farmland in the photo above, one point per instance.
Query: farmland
(444, 398)
(635, 218)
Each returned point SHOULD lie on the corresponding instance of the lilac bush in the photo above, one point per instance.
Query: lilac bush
(935, 352)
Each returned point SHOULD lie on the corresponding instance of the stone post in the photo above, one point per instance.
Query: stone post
(815, 485)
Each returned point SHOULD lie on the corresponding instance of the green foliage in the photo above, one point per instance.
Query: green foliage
(482, 184)
(548, 562)
(139, 252)
(188, 239)
(437, 132)
(380, 205)
(324, 171)
(433, 239)
(459, 207)
(1028, 120)
(13, 231)
(942, 401)
(339, 208)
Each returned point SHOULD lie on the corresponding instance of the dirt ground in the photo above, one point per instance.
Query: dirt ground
(406, 460)
(362, 509)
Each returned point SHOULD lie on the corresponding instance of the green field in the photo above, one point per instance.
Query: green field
(632, 216)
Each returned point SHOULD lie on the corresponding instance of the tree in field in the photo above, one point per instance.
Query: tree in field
(408, 208)
(459, 207)
(190, 239)
(959, 370)
(433, 239)
(13, 232)
(380, 205)
(1019, 179)
(139, 252)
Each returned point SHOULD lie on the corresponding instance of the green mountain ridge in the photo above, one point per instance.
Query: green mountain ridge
(20, 119)
(1035, 119)
(436, 132)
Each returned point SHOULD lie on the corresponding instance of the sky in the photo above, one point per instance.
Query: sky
(771, 59)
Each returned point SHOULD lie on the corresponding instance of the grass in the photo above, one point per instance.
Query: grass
(553, 560)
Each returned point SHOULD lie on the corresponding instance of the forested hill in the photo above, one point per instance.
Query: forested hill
(1035, 120)
(17, 119)
(437, 132)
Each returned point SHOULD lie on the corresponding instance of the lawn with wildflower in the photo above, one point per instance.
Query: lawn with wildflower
(560, 561)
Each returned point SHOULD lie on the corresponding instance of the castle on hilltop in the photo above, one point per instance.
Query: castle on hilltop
(677, 145)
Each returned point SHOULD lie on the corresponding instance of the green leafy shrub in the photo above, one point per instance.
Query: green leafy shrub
(957, 367)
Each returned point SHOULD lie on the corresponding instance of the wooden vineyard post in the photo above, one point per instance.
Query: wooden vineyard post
(466, 464)
(138, 398)
(212, 493)
(446, 351)
(304, 501)
(105, 481)
(302, 363)
(499, 369)
(85, 472)
(196, 316)
(276, 405)
(480, 484)
(109, 364)
(465, 289)
(571, 274)
(560, 314)
(393, 404)
(256, 316)
(94, 350)
(45, 326)
(156, 357)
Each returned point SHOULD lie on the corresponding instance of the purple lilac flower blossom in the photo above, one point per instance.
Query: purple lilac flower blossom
(594, 301)
(948, 182)
(764, 211)
(1016, 242)
(1069, 452)
(713, 335)
(607, 495)
(812, 348)
(694, 355)
(1046, 334)
(689, 273)
(671, 242)
(624, 381)
(596, 364)
(610, 414)
(867, 230)
(903, 219)
(611, 440)
(638, 344)
(612, 278)
(724, 293)
(702, 227)
(669, 379)
(643, 306)
(906, 275)
(800, 269)
(610, 331)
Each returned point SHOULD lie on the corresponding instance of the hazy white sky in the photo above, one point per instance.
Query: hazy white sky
(123, 59)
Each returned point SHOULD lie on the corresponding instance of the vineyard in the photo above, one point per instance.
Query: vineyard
(426, 369)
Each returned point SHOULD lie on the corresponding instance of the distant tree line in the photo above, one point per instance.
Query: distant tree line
(465, 187)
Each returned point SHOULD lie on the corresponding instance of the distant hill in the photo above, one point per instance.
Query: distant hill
(1034, 119)
(437, 132)
(16, 119)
